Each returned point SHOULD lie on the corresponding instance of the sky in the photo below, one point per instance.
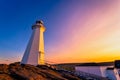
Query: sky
(76, 30)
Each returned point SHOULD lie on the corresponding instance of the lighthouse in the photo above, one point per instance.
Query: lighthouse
(34, 53)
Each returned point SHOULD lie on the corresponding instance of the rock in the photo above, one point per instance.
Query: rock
(5, 77)
(17, 71)
(3, 68)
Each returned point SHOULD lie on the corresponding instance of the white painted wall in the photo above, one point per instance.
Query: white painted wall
(31, 52)
(89, 69)
(97, 70)
(103, 70)
(113, 74)
(34, 53)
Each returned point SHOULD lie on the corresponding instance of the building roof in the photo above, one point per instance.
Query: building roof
(96, 64)
(89, 64)
(110, 68)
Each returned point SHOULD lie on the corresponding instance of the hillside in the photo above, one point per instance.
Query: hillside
(15, 71)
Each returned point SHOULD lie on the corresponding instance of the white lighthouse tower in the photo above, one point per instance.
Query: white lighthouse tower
(34, 53)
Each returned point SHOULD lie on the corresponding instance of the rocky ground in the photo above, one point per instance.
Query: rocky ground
(15, 71)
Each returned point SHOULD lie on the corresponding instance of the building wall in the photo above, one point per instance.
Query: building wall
(31, 53)
(103, 70)
(97, 70)
(34, 53)
(90, 69)
(117, 73)
(113, 74)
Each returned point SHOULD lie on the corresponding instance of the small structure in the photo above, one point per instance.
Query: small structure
(34, 53)
(103, 70)
(92, 68)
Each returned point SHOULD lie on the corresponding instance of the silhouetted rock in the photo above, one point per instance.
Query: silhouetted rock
(15, 71)
(3, 68)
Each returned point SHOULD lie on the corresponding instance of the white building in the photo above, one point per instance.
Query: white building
(100, 70)
(97, 70)
(34, 53)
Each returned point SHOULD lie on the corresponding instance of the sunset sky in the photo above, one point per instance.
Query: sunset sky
(76, 30)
